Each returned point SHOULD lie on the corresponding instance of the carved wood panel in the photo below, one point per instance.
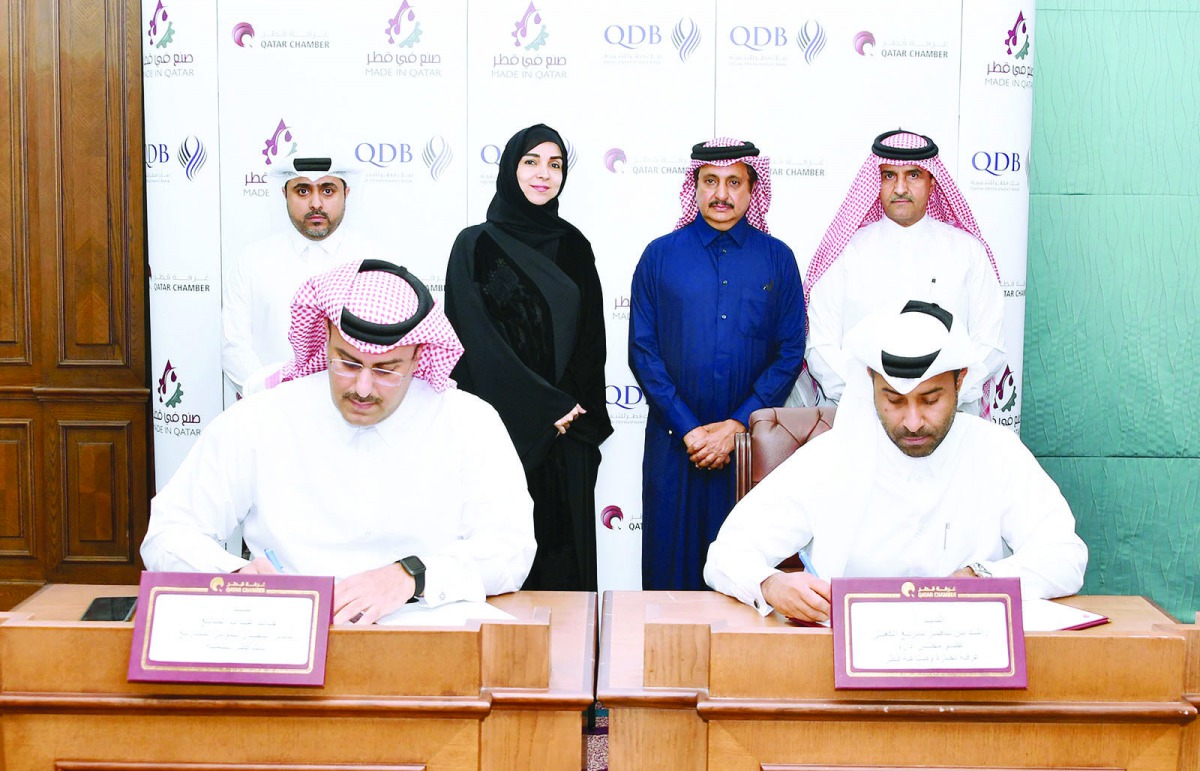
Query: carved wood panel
(74, 401)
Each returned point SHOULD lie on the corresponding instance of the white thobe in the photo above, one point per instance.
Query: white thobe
(885, 263)
(438, 479)
(863, 508)
(257, 291)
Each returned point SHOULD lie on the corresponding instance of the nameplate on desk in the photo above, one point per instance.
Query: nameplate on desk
(231, 628)
(928, 633)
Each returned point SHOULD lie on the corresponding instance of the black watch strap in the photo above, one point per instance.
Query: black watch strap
(415, 568)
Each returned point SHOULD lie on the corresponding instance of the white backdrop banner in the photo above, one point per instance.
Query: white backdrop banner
(421, 97)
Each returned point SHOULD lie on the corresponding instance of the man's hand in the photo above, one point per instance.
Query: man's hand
(799, 596)
(717, 446)
(259, 566)
(365, 597)
(563, 423)
(964, 572)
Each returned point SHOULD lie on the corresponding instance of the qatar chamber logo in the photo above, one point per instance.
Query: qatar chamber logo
(686, 38)
(403, 29)
(612, 517)
(530, 33)
(1017, 41)
(811, 39)
(161, 31)
(192, 156)
(283, 133)
(862, 40)
(241, 31)
(437, 156)
(613, 157)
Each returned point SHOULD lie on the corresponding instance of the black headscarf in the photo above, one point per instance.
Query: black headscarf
(537, 226)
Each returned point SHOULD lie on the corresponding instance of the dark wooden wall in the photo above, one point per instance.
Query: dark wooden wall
(74, 401)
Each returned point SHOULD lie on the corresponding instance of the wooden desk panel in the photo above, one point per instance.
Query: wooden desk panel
(396, 698)
(700, 681)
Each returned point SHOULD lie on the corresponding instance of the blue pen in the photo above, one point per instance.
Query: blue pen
(806, 561)
(275, 559)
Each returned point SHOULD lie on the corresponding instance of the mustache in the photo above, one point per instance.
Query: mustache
(902, 197)
(316, 213)
(904, 433)
(719, 202)
(352, 396)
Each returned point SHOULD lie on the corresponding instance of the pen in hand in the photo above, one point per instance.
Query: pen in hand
(274, 559)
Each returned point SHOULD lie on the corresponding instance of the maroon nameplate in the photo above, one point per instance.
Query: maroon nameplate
(231, 628)
(928, 633)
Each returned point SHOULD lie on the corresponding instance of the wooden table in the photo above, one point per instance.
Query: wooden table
(505, 695)
(696, 680)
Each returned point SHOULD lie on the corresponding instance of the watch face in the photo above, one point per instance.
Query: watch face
(413, 565)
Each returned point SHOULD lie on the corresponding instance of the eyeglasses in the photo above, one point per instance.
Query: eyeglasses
(384, 377)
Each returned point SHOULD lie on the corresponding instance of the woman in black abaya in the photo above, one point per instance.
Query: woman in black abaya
(523, 294)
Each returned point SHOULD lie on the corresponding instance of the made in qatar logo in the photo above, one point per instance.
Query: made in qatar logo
(403, 30)
(161, 30)
(621, 306)
(1004, 400)
(1014, 69)
(399, 58)
(530, 33)
(280, 145)
(158, 62)
(169, 418)
(529, 62)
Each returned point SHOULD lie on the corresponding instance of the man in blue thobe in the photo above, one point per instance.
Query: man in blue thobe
(716, 331)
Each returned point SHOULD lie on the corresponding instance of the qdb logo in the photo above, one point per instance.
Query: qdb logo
(862, 40)
(525, 30)
(612, 158)
(1017, 42)
(570, 148)
(403, 29)
(686, 39)
(611, 517)
(284, 132)
(170, 377)
(192, 156)
(160, 36)
(996, 163)
(811, 39)
(241, 31)
(758, 38)
(437, 156)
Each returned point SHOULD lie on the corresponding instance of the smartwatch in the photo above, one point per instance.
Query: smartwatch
(415, 568)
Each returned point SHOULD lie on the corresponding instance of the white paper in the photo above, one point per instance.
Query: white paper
(228, 629)
(1047, 616)
(928, 635)
(450, 614)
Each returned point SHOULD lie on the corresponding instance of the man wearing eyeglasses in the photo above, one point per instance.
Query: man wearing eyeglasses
(360, 461)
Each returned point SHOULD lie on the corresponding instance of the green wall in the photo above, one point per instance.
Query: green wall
(1112, 340)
